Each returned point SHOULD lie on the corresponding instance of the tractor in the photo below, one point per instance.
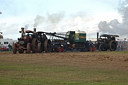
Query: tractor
(106, 42)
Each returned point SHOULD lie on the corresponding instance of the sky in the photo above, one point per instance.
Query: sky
(60, 16)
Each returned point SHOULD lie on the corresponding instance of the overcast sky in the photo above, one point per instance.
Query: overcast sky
(56, 15)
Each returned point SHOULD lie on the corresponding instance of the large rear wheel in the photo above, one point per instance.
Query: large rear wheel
(112, 45)
(14, 48)
(28, 48)
(47, 45)
(39, 48)
(34, 45)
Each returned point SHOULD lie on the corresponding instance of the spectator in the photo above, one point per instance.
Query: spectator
(9, 47)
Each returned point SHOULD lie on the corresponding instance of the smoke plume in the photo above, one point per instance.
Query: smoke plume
(49, 22)
(55, 18)
(114, 26)
(38, 20)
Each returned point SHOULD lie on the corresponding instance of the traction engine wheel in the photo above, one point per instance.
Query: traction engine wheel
(21, 50)
(112, 45)
(28, 48)
(102, 47)
(47, 45)
(39, 48)
(14, 48)
(34, 45)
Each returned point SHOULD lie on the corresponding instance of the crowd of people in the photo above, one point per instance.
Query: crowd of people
(6, 48)
(122, 46)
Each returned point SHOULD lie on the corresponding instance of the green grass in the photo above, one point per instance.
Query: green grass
(123, 52)
(24, 74)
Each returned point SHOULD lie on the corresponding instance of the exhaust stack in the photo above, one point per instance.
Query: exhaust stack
(34, 30)
(97, 35)
(22, 32)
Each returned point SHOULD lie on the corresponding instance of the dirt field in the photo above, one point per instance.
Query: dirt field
(106, 60)
(71, 68)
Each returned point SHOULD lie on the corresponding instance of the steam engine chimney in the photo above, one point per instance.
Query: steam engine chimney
(22, 32)
(34, 29)
(97, 35)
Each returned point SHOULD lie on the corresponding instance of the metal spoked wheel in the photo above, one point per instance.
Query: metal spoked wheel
(102, 47)
(28, 48)
(21, 50)
(112, 45)
(47, 45)
(14, 48)
(39, 48)
(34, 45)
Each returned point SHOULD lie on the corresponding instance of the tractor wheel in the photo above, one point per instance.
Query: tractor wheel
(34, 45)
(102, 47)
(28, 48)
(47, 45)
(21, 50)
(112, 45)
(14, 48)
(39, 48)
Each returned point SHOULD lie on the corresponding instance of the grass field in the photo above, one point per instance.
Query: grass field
(76, 68)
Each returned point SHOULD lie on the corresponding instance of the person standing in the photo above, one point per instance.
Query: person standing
(9, 47)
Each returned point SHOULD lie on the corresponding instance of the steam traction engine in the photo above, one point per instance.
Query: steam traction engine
(106, 42)
(31, 41)
(24, 43)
